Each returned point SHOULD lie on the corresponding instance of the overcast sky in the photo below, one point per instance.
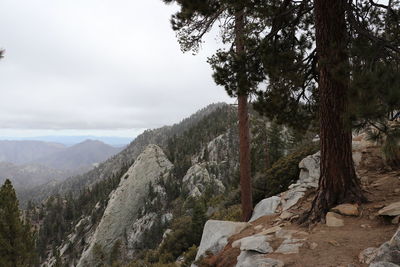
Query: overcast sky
(99, 67)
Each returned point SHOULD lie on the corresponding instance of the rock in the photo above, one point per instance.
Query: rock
(291, 197)
(312, 245)
(389, 251)
(265, 207)
(309, 169)
(391, 210)
(258, 227)
(289, 246)
(197, 179)
(334, 220)
(215, 235)
(383, 264)
(397, 190)
(396, 220)
(254, 243)
(254, 259)
(365, 226)
(334, 243)
(367, 255)
(347, 209)
(125, 202)
(378, 206)
(270, 230)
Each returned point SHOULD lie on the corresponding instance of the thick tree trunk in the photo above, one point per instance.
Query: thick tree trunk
(244, 135)
(338, 181)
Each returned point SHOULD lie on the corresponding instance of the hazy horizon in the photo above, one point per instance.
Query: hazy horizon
(98, 68)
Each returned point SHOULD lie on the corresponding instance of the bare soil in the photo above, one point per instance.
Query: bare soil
(336, 246)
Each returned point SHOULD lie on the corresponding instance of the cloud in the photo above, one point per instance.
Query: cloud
(97, 64)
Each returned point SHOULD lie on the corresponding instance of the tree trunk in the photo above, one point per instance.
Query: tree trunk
(244, 135)
(338, 181)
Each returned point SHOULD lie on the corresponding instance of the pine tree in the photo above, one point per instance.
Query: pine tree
(192, 22)
(319, 74)
(17, 244)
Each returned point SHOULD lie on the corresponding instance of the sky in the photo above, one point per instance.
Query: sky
(97, 67)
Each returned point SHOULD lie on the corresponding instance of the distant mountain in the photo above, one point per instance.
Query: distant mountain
(119, 163)
(29, 175)
(83, 155)
(73, 140)
(21, 152)
(29, 164)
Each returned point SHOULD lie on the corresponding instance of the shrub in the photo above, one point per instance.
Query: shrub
(282, 173)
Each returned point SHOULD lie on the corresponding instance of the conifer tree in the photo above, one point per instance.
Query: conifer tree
(322, 72)
(17, 244)
(192, 22)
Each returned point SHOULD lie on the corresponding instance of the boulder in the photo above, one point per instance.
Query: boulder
(254, 259)
(256, 243)
(265, 207)
(347, 209)
(390, 210)
(290, 246)
(309, 169)
(271, 230)
(292, 196)
(215, 235)
(334, 220)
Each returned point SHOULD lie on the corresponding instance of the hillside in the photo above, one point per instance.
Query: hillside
(181, 176)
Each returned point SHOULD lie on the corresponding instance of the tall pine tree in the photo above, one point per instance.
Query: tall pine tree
(192, 22)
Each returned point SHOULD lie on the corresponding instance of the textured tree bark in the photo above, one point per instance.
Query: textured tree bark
(244, 135)
(338, 181)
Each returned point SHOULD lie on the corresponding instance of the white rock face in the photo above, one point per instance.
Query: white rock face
(265, 207)
(215, 235)
(198, 178)
(124, 204)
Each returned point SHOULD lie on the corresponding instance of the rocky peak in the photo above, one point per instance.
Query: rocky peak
(125, 203)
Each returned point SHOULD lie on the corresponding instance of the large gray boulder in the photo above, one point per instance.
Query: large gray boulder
(265, 207)
(309, 170)
(215, 235)
(123, 207)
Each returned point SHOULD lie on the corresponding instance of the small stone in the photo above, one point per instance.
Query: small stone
(312, 245)
(397, 190)
(334, 220)
(334, 243)
(372, 217)
(365, 226)
(347, 209)
(396, 220)
(367, 255)
(391, 210)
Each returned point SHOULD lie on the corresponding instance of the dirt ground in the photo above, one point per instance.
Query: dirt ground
(336, 246)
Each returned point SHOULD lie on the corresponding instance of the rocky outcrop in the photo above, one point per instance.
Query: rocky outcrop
(215, 235)
(265, 207)
(197, 179)
(125, 203)
(254, 259)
